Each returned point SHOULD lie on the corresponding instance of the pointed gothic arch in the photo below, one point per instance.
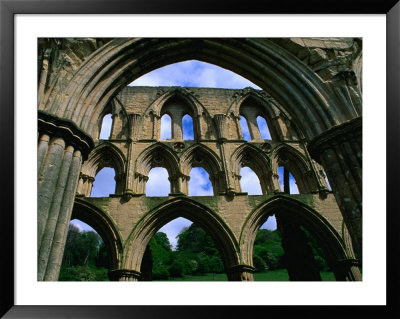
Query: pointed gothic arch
(327, 237)
(298, 165)
(253, 157)
(157, 155)
(199, 155)
(104, 225)
(286, 78)
(194, 108)
(104, 155)
(181, 207)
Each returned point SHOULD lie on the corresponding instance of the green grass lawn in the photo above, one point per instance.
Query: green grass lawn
(272, 275)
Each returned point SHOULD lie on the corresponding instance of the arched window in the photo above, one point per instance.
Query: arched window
(187, 127)
(166, 127)
(158, 183)
(104, 183)
(291, 186)
(245, 128)
(249, 181)
(263, 128)
(199, 183)
(106, 126)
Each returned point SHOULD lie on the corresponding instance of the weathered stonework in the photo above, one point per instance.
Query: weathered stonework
(311, 101)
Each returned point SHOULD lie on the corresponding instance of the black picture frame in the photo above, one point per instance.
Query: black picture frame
(8, 10)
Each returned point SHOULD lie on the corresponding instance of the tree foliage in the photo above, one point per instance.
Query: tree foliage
(85, 257)
(267, 251)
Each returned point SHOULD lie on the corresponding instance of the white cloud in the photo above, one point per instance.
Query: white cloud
(166, 128)
(193, 74)
(174, 228)
(249, 182)
(105, 131)
(81, 225)
(199, 183)
(158, 183)
(263, 127)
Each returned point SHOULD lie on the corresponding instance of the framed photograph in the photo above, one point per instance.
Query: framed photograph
(305, 75)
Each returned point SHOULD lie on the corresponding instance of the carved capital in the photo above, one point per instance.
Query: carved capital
(66, 129)
(335, 135)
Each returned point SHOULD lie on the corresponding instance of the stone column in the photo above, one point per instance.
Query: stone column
(253, 128)
(179, 184)
(139, 185)
(267, 183)
(241, 273)
(220, 121)
(134, 126)
(176, 119)
(59, 165)
(124, 275)
(90, 181)
(119, 183)
(339, 151)
(299, 259)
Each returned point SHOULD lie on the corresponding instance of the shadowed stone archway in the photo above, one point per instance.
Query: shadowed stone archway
(324, 104)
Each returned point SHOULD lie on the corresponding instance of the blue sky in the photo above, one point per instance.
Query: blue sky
(191, 74)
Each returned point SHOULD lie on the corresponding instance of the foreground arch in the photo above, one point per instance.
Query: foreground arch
(103, 224)
(326, 111)
(122, 60)
(182, 207)
(330, 241)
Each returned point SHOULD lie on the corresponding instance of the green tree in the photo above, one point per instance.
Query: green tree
(198, 250)
(85, 257)
(268, 247)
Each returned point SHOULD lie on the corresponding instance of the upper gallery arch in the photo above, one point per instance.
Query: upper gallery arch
(117, 63)
(157, 155)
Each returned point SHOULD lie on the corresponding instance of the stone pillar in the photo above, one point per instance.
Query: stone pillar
(267, 183)
(124, 275)
(179, 184)
(176, 119)
(220, 121)
(275, 181)
(299, 259)
(139, 185)
(339, 151)
(59, 165)
(90, 181)
(119, 183)
(241, 273)
(253, 128)
(130, 178)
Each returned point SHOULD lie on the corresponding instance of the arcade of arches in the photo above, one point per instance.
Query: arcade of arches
(310, 100)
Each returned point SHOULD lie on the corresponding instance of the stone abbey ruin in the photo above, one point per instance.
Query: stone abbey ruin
(310, 98)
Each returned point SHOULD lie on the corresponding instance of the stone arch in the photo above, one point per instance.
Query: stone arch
(104, 155)
(251, 156)
(120, 61)
(196, 109)
(103, 224)
(199, 155)
(153, 220)
(156, 155)
(327, 237)
(298, 165)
